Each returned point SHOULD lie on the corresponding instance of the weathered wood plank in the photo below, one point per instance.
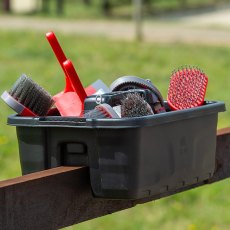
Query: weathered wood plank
(61, 197)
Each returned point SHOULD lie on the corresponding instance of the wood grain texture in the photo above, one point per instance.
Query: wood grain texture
(62, 196)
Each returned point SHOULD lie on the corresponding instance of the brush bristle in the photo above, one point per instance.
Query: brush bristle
(135, 106)
(31, 95)
(102, 111)
(187, 88)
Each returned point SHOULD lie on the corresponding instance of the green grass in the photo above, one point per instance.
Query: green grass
(94, 58)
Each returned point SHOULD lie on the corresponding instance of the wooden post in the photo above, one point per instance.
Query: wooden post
(60, 197)
(137, 18)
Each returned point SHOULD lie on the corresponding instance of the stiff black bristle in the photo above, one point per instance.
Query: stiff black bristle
(31, 95)
(135, 106)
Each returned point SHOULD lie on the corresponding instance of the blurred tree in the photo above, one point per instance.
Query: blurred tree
(45, 6)
(183, 3)
(59, 6)
(106, 7)
(158, 6)
(87, 2)
(6, 6)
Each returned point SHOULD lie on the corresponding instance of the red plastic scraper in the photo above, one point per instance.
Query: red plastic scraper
(70, 95)
(71, 103)
(60, 57)
(91, 89)
(187, 88)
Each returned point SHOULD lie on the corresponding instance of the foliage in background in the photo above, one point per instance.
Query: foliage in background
(120, 9)
(98, 58)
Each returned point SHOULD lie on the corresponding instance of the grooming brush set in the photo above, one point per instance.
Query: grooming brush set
(135, 143)
(128, 96)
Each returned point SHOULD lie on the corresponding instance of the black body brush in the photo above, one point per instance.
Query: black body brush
(135, 106)
(27, 98)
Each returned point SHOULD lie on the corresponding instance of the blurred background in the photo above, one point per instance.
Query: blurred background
(107, 39)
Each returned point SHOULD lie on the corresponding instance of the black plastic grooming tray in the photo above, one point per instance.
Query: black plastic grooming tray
(128, 158)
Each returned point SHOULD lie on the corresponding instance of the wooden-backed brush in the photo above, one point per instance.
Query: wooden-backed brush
(133, 105)
(187, 88)
(27, 98)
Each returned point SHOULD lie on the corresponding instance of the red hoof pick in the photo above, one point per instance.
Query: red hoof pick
(187, 88)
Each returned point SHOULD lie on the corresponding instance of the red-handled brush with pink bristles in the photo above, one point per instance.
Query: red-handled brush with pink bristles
(187, 88)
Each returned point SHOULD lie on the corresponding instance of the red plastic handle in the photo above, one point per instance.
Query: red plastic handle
(60, 56)
(27, 113)
(74, 79)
